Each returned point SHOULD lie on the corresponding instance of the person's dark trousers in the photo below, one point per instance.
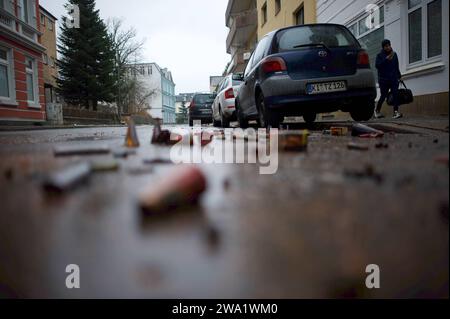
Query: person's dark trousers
(385, 87)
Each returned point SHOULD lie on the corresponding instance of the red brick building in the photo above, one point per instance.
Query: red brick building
(21, 69)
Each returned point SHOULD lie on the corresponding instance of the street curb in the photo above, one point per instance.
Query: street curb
(43, 128)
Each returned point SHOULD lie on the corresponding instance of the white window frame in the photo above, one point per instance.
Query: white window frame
(364, 17)
(424, 11)
(34, 72)
(11, 100)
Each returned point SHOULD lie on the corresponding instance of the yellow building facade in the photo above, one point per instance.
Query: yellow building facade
(48, 39)
(276, 14)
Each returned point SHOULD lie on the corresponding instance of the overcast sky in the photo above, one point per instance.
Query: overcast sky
(186, 36)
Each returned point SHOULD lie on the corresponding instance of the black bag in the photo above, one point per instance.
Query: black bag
(405, 96)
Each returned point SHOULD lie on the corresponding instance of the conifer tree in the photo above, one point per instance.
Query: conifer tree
(86, 63)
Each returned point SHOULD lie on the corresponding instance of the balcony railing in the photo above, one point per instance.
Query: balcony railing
(243, 25)
(8, 21)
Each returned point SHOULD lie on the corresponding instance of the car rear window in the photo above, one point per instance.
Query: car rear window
(236, 83)
(304, 37)
(204, 99)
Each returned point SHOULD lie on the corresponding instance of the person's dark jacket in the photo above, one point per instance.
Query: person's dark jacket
(388, 70)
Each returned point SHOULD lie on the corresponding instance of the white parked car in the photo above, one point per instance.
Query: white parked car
(224, 110)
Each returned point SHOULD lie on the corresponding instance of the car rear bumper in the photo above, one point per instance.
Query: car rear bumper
(229, 108)
(281, 92)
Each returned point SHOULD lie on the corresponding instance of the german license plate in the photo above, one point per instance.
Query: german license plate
(326, 87)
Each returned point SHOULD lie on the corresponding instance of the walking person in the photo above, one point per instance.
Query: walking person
(389, 77)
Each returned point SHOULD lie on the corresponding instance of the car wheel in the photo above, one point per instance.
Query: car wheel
(363, 111)
(266, 117)
(224, 121)
(217, 123)
(191, 122)
(310, 118)
(243, 122)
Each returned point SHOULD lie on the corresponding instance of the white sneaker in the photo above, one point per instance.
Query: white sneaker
(378, 115)
(397, 115)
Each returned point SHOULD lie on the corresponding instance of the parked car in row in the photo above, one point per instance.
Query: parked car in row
(201, 108)
(303, 71)
(224, 110)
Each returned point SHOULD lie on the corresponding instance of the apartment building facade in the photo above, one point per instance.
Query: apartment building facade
(21, 69)
(48, 39)
(160, 88)
(250, 20)
(419, 32)
(241, 18)
(276, 14)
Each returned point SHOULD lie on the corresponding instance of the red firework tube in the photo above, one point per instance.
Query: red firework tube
(183, 186)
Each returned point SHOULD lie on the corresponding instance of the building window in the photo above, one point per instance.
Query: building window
(300, 16)
(424, 30)
(4, 74)
(31, 80)
(434, 28)
(42, 19)
(50, 25)
(415, 34)
(277, 6)
(369, 30)
(264, 13)
(6, 5)
(354, 29)
(45, 59)
(27, 11)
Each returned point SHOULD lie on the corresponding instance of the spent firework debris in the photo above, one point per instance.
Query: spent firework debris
(105, 166)
(67, 178)
(182, 187)
(71, 150)
(294, 141)
(131, 140)
(357, 147)
(361, 130)
(339, 131)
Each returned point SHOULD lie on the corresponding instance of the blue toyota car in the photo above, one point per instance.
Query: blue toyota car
(304, 71)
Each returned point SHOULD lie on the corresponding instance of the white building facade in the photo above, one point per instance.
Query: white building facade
(418, 30)
(158, 81)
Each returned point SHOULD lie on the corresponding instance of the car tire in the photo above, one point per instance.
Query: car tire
(243, 122)
(225, 123)
(191, 122)
(217, 123)
(266, 117)
(363, 111)
(309, 118)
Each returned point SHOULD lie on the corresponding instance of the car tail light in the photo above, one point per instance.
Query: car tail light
(274, 64)
(229, 94)
(363, 59)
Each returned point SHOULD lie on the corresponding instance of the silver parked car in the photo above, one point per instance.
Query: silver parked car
(224, 110)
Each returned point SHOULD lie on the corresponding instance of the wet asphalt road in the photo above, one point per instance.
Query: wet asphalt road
(308, 231)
